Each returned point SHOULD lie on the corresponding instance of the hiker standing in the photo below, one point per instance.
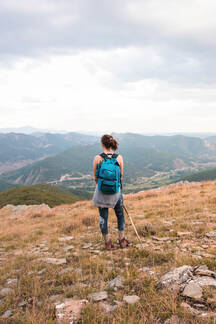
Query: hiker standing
(108, 174)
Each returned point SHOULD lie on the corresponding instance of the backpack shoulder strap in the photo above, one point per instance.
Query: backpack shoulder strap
(103, 155)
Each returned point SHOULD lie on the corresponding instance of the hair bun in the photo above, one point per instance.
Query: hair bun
(109, 142)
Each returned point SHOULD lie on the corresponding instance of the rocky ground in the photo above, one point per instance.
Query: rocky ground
(54, 268)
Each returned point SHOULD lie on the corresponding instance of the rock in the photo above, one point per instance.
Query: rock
(174, 319)
(131, 299)
(42, 271)
(174, 278)
(115, 283)
(102, 295)
(68, 248)
(22, 304)
(189, 308)
(5, 291)
(55, 261)
(69, 311)
(12, 282)
(87, 246)
(169, 223)
(197, 223)
(108, 308)
(7, 314)
(66, 270)
(204, 281)
(96, 251)
(211, 234)
(196, 312)
(203, 271)
(65, 238)
(161, 239)
(141, 246)
(192, 290)
(184, 233)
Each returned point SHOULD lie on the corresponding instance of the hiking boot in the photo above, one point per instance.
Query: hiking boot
(123, 243)
(109, 245)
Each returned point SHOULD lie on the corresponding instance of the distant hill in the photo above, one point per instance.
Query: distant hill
(202, 176)
(178, 144)
(36, 195)
(77, 161)
(28, 148)
(212, 139)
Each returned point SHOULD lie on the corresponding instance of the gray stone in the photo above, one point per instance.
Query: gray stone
(55, 261)
(211, 234)
(161, 239)
(12, 282)
(115, 283)
(108, 308)
(87, 246)
(203, 271)
(190, 309)
(66, 270)
(22, 304)
(131, 299)
(65, 238)
(192, 290)
(184, 233)
(102, 295)
(174, 278)
(7, 314)
(42, 271)
(68, 248)
(69, 311)
(204, 281)
(5, 291)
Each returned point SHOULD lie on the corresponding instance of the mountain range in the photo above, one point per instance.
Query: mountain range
(70, 156)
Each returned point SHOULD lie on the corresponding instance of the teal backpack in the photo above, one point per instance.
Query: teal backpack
(108, 173)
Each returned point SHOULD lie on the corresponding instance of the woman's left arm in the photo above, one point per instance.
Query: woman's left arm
(95, 162)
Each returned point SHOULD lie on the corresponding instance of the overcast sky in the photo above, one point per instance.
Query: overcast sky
(115, 65)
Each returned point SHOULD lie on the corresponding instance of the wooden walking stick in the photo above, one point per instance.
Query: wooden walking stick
(133, 226)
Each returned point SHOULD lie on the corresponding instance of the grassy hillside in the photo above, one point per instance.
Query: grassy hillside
(202, 176)
(36, 195)
(5, 185)
(172, 222)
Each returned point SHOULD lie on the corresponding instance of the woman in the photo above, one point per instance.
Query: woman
(105, 201)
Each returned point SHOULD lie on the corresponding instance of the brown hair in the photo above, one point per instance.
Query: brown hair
(109, 142)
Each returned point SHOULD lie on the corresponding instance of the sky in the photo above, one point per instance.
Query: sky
(108, 65)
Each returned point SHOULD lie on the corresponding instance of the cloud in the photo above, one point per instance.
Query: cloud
(170, 40)
(149, 64)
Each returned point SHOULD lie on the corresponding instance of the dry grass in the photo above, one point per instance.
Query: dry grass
(161, 213)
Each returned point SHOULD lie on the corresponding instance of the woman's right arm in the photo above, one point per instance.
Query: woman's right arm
(121, 163)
